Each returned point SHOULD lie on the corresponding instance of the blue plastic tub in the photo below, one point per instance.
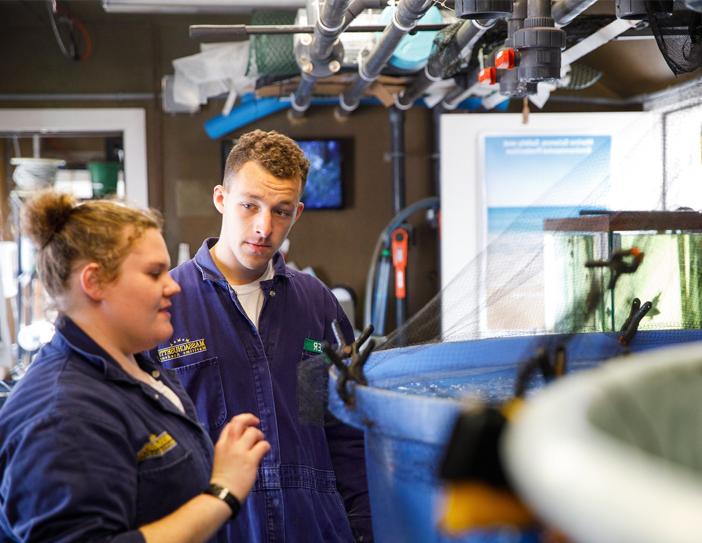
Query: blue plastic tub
(408, 410)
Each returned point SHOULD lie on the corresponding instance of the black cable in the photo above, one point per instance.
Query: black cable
(68, 53)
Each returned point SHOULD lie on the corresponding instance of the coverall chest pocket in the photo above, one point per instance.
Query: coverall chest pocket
(203, 382)
(160, 476)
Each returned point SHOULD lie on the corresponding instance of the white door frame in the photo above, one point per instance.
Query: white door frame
(131, 122)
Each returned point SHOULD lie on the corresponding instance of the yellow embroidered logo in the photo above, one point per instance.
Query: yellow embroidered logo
(158, 445)
(181, 347)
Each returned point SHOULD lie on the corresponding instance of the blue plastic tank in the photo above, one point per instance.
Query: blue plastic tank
(408, 410)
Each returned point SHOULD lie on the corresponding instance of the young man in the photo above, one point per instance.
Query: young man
(241, 326)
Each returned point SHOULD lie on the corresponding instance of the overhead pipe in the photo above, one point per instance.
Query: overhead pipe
(457, 94)
(466, 37)
(562, 11)
(397, 158)
(357, 6)
(538, 8)
(405, 18)
(320, 55)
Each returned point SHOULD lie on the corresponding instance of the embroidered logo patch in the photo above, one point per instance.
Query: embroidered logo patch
(181, 347)
(157, 446)
(312, 345)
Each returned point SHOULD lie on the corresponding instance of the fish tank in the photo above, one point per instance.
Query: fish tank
(669, 275)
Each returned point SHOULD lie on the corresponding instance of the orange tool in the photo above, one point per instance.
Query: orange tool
(400, 239)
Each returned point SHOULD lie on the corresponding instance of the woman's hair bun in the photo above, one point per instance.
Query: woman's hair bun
(45, 215)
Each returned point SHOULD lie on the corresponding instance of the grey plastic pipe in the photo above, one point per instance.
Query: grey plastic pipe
(330, 24)
(562, 11)
(406, 15)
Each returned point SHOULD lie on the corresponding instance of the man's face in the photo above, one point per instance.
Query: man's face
(258, 210)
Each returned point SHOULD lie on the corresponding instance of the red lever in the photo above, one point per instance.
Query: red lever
(505, 59)
(400, 238)
(488, 75)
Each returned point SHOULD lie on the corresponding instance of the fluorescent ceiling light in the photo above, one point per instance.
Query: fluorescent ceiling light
(197, 6)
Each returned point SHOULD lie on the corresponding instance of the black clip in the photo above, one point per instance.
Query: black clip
(550, 367)
(354, 370)
(631, 324)
(617, 265)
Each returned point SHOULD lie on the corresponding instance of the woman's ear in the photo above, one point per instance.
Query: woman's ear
(90, 283)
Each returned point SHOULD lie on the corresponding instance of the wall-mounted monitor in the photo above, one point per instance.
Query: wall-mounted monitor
(325, 180)
(325, 188)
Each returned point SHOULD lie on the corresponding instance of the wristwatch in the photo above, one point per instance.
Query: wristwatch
(226, 496)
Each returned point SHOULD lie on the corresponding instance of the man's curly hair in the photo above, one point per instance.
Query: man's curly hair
(278, 154)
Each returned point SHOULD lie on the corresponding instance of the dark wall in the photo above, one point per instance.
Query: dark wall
(132, 52)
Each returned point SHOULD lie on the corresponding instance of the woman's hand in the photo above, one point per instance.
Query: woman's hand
(237, 454)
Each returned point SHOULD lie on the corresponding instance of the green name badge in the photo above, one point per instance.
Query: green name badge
(312, 345)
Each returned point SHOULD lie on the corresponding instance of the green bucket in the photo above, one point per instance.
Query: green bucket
(103, 177)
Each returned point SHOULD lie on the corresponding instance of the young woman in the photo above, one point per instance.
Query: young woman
(97, 443)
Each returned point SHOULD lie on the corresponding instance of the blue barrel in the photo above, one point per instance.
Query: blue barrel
(408, 410)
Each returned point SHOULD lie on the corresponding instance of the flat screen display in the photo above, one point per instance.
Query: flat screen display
(324, 188)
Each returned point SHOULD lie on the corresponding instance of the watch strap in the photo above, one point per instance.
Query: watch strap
(226, 496)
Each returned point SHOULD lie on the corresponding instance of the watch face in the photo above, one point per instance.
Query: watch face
(223, 493)
(226, 496)
(217, 491)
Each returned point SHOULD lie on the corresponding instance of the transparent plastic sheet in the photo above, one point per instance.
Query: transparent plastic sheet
(532, 288)
(217, 69)
(535, 283)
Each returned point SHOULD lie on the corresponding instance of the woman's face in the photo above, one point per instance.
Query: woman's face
(136, 304)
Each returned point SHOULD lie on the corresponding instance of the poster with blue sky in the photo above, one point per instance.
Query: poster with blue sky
(527, 179)
(531, 178)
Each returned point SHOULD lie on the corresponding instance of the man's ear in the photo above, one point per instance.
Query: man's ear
(90, 283)
(298, 211)
(218, 194)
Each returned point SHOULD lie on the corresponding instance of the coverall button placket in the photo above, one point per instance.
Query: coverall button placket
(263, 389)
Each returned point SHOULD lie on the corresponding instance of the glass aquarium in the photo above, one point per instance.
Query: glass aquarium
(669, 275)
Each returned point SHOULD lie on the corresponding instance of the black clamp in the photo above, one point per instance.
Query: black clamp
(550, 366)
(354, 370)
(619, 264)
(631, 324)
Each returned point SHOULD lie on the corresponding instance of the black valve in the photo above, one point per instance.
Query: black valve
(483, 9)
(539, 43)
(639, 9)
